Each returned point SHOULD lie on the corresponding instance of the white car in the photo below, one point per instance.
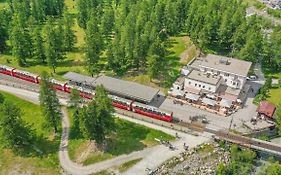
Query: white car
(252, 77)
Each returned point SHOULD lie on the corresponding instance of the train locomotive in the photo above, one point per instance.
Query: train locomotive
(87, 93)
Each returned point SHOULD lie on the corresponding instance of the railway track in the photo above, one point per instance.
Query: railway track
(191, 128)
(249, 142)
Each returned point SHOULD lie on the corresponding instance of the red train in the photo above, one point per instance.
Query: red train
(118, 102)
(140, 108)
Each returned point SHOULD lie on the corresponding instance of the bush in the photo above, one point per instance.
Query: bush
(263, 92)
(275, 13)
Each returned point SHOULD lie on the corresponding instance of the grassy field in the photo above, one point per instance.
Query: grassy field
(275, 91)
(127, 138)
(3, 4)
(124, 167)
(274, 95)
(30, 161)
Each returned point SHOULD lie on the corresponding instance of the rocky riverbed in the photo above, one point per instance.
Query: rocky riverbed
(202, 160)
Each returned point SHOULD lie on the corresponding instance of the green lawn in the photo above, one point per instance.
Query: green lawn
(275, 92)
(3, 4)
(71, 6)
(30, 162)
(127, 138)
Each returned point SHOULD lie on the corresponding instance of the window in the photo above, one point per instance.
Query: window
(195, 84)
(218, 72)
(189, 82)
(235, 77)
(209, 88)
(199, 85)
(204, 86)
(226, 74)
(225, 80)
(234, 83)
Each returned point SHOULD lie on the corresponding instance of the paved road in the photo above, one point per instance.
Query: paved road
(151, 157)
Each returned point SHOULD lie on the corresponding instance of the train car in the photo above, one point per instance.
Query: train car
(58, 85)
(151, 111)
(6, 70)
(67, 88)
(121, 103)
(25, 76)
(86, 93)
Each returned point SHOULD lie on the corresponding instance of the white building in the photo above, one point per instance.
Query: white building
(202, 81)
(233, 71)
(219, 75)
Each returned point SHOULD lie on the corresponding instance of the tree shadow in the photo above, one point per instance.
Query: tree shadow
(39, 147)
(126, 139)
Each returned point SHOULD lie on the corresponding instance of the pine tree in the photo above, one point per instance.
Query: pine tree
(2, 98)
(96, 119)
(276, 47)
(49, 102)
(75, 99)
(3, 38)
(38, 10)
(53, 47)
(68, 33)
(93, 45)
(20, 39)
(13, 130)
(38, 45)
(107, 21)
(153, 66)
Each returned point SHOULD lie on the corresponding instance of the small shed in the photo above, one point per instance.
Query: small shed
(225, 103)
(266, 109)
(193, 97)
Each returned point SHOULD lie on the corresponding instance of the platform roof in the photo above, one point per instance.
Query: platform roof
(127, 89)
(116, 86)
(80, 78)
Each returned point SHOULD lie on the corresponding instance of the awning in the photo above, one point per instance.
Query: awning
(191, 96)
(211, 96)
(229, 97)
(178, 93)
(208, 101)
(226, 103)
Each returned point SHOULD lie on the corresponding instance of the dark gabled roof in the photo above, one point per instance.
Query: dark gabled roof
(127, 89)
(80, 78)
